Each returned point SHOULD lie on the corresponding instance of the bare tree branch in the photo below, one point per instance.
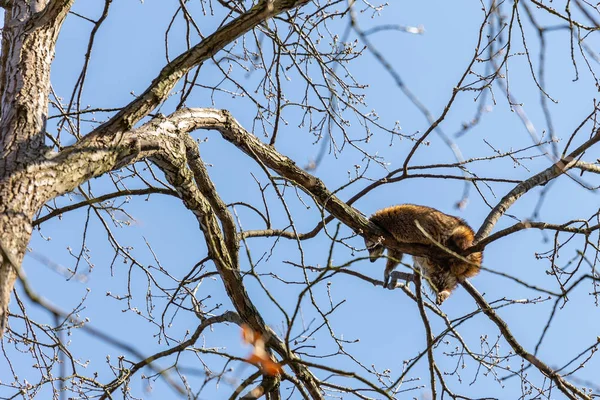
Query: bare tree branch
(569, 390)
(557, 169)
(100, 199)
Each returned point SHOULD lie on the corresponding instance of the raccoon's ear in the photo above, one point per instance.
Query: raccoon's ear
(462, 237)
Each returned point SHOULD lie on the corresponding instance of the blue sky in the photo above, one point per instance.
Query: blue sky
(130, 52)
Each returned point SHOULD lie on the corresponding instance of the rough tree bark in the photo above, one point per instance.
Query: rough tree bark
(28, 40)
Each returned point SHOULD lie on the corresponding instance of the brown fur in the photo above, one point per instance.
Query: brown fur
(452, 232)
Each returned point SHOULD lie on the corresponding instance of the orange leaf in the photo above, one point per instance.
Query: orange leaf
(259, 356)
(271, 368)
(248, 334)
(254, 359)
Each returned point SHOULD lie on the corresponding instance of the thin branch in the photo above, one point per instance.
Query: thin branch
(100, 199)
(529, 225)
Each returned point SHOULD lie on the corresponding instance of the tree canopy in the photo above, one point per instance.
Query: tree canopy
(185, 189)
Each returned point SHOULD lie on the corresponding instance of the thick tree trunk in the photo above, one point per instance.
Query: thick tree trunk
(15, 231)
(28, 42)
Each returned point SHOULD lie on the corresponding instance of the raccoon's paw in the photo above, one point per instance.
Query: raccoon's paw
(442, 296)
